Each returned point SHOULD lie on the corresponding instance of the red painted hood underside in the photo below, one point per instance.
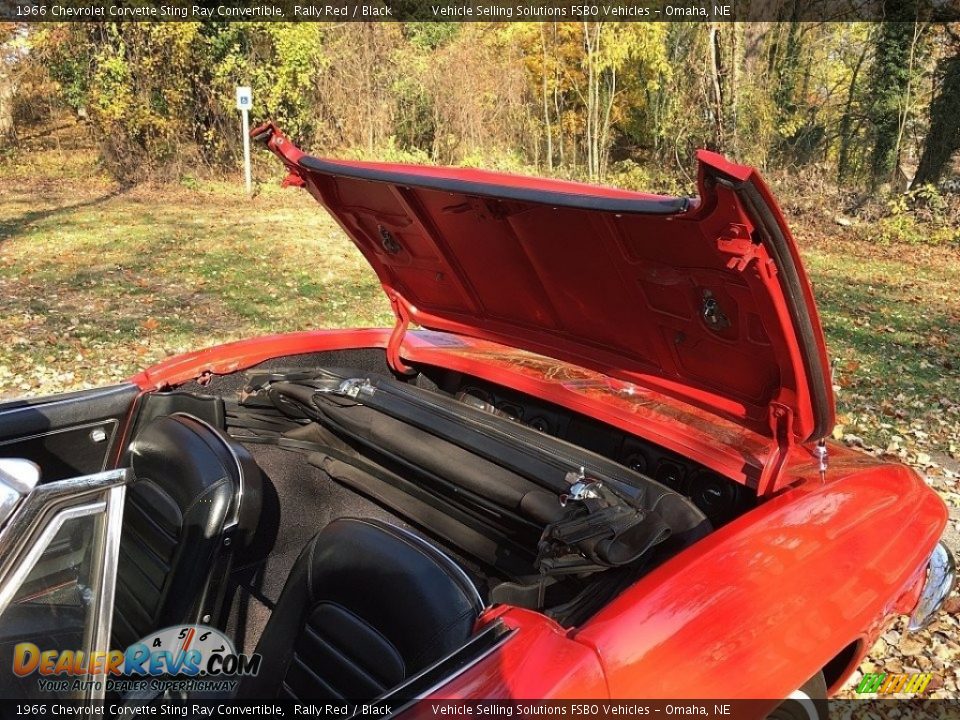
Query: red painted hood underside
(705, 300)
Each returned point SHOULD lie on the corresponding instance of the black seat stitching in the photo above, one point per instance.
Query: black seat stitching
(320, 681)
(135, 504)
(134, 564)
(135, 602)
(340, 653)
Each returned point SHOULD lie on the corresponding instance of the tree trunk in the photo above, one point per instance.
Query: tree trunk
(558, 114)
(7, 83)
(545, 97)
(715, 71)
(786, 69)
(846, 122)
(890, 83)
(604, 142)
(592, 48)
(905, 106)
(7, 128)
(733, 84)
(943, 137)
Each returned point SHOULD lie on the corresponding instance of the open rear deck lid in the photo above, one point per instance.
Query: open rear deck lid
(703, 299)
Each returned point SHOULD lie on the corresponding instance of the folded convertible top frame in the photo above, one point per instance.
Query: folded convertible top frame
(509, 444)
(427, 429)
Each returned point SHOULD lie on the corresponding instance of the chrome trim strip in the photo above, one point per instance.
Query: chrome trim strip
(19, 473)
(475, 661)
(495, 626)
(9, 499)
(105, 583)
(12, 583)
(17, 537)
(18, 478)
(37, 522)
(941, 576)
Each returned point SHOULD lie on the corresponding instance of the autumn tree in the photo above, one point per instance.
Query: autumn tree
(626, 103)
(943, 137)
(9, 55)
(898, 43)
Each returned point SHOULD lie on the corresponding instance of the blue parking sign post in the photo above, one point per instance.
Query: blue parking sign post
(244, 103)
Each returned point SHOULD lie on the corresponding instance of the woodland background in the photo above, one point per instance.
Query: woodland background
(126, 237)
(865, 108)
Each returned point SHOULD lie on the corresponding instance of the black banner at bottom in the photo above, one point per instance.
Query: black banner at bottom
(867, 709)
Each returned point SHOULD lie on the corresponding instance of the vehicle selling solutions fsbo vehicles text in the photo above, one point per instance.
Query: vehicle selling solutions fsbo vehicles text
(626, 709)
(574, 12)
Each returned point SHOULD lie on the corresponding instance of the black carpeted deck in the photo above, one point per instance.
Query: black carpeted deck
(300, 500)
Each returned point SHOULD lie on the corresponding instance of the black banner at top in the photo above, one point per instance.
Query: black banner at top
(463, 10)
(150, 706)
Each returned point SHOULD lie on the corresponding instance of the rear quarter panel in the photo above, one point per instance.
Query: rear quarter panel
(767, 601)
(538, 661)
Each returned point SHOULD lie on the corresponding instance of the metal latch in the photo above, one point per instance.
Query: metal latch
(581, 488)
(351, 388)
(355, 386)
(712, 313)
(743, 251)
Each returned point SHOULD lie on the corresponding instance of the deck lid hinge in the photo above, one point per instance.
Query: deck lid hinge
(781, 425)
(737, 242)
(399, 333)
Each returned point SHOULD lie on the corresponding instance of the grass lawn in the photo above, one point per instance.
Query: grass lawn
(892, 320)
(97, 282)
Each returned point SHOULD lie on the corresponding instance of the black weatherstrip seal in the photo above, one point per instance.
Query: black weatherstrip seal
(803, 323)
(664, 206)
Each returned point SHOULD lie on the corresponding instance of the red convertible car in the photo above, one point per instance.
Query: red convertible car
(591, 459)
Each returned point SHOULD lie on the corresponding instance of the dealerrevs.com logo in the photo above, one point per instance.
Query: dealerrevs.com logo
(181, 657)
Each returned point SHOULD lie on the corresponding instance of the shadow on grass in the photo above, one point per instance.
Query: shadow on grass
(879, 323)
(121, 304)
(16, 226)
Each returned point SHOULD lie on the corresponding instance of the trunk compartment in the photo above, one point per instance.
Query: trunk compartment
(555, 527)
(544, 508)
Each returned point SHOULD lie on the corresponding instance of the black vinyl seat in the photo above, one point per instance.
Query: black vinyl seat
(366, 606)
(194, 501)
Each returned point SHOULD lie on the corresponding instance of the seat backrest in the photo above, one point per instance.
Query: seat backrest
(195, 498)
(366, 606)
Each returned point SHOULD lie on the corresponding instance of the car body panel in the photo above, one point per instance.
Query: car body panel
(836, 546)
(704, 301)
(768, 599)
(721, 445)
(231, 357)
(750, 612)
(539, 660)
(775, 595)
